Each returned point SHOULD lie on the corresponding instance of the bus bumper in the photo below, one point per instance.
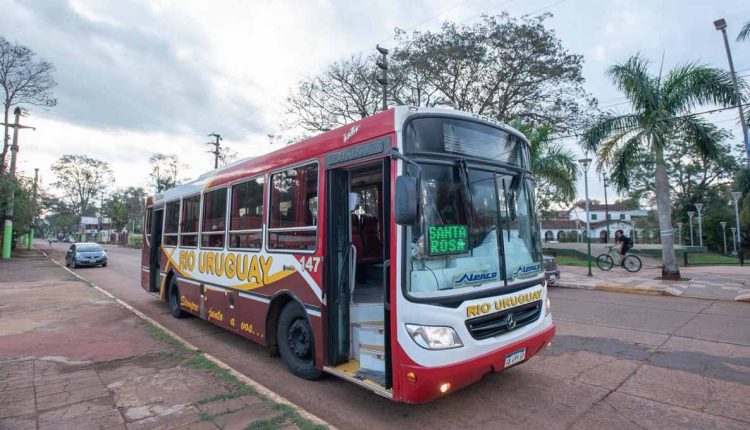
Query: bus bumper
(429, 380)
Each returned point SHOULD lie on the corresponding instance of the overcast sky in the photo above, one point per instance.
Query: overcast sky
(140, 77)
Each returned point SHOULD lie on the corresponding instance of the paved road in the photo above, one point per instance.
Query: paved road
(618, 361)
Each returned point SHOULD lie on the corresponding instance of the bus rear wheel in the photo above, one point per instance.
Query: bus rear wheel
(174, 300)
(296, 342)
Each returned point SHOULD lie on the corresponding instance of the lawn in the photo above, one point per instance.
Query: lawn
(566, 260)
(705, 258)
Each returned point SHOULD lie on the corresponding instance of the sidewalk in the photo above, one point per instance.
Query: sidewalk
(707, 282)
(73, 358)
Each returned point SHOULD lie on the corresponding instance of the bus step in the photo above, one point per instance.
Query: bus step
(372, 357)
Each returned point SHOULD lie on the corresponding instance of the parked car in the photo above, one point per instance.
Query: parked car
(86, 254)
(551, 271)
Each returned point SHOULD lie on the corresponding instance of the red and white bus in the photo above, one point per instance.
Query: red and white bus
(401, 252)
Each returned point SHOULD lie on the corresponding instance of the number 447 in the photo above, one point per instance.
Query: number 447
(310, 264)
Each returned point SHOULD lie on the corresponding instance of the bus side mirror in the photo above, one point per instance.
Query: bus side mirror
(406, 200)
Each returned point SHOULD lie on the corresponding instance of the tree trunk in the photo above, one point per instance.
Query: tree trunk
(6, 141)
(669, 269)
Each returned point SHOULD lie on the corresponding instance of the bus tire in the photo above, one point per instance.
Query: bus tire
(296, 342)
(174, 300)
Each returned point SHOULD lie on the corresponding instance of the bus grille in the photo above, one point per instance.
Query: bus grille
(496, 324)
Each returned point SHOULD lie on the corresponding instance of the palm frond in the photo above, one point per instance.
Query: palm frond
(692, 85)
(744, 33)
(703, 135)
(632, 78)
(606, 126)
(623, 162)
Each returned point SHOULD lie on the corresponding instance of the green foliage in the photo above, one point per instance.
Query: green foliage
(744, 34)
(555, 168)
(81, 179)
(23, 209)
(501, 67)
(165, 171)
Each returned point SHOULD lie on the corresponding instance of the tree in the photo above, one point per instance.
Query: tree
(81, 178)
(135, 200)
(24, 80)
(554, 167)
(661, 106)
(60, 216)
(226, 155)
(116, 210)
(501, 67)
(165, 171)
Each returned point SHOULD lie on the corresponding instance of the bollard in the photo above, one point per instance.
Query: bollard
(685, 258)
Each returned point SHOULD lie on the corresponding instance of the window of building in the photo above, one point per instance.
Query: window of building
(191, 207)
(293, 214)
(246, 219)
(171, 223)
(214, 218)
(622, 216)
(593, 217)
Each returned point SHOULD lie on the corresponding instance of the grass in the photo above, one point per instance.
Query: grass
(162, 336)
(566, 260)
(707, 258)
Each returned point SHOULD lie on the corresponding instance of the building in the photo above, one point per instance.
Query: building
(89, 227)
(570, 225)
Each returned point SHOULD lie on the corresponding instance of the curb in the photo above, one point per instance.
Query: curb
(618, 289)
(239, 375)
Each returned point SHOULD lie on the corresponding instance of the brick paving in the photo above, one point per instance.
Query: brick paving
(708, 282)
(72, 358)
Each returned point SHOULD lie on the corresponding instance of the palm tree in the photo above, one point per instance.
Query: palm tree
(744, 33)
(660, 111)
(554, 167)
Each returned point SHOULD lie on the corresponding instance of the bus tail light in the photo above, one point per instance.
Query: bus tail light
(434, 337)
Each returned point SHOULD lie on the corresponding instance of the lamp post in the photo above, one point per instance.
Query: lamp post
(734, 239)
(690, 217)
(679, 233)
(721, 25)
(699, 206)
(606, 205)
(736, 199)
(724, 235)
(585, 163)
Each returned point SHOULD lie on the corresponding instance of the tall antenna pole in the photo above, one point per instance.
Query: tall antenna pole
(217, 148)
(33, 209)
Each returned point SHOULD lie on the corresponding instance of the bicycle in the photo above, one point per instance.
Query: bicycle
(631, 263)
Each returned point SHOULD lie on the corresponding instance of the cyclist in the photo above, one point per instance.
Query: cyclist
(624, 243)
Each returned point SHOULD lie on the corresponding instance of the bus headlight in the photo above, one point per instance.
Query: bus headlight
(547, 307)
(431, 337)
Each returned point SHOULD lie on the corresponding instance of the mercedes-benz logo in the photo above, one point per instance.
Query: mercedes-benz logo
(510, 321)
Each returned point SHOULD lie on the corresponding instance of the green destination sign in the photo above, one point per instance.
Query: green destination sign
(447, 239)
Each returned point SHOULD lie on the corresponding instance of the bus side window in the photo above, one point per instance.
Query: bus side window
(190, 214)
(294, 209)
(246, 216)
(171, 223)
(214, 218)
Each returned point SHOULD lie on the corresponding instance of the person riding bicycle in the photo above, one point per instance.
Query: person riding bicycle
(625, 243)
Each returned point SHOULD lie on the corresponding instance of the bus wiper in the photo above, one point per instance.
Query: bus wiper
(467, 200)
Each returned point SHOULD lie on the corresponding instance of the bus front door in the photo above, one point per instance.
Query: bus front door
(155, 250)
(338, 267)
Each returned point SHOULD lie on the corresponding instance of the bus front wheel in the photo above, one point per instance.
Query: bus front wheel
(296, 342)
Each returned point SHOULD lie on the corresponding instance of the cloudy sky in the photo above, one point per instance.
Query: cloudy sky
(138, 77)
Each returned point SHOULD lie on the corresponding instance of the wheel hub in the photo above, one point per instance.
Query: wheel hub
(299, 339)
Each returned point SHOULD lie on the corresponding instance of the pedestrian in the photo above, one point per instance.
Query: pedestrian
(49, 239)
(623, 243)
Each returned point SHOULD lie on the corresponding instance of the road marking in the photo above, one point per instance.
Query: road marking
(239, 375)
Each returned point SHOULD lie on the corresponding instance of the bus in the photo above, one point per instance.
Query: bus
(401, 252)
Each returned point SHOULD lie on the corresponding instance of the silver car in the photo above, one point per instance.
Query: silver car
(551, 270)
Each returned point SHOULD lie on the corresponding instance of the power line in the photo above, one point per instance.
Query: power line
(627, 129)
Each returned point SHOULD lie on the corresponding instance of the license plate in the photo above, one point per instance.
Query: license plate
(515, 357)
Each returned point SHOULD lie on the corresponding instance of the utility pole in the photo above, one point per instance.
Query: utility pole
(606, 205)
(8, 226)
(383, 81)
(33, 209)
(217, 148)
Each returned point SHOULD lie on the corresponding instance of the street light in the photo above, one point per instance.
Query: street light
(699, 206)
(734, 239)
(585, 163)
(724, 235)
(679, 233)
(736, 199)
(690, 216)
(721, 25)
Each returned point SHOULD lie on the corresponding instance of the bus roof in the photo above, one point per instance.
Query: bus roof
(378, 125)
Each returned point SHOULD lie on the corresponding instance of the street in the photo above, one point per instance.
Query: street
(618, 360)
